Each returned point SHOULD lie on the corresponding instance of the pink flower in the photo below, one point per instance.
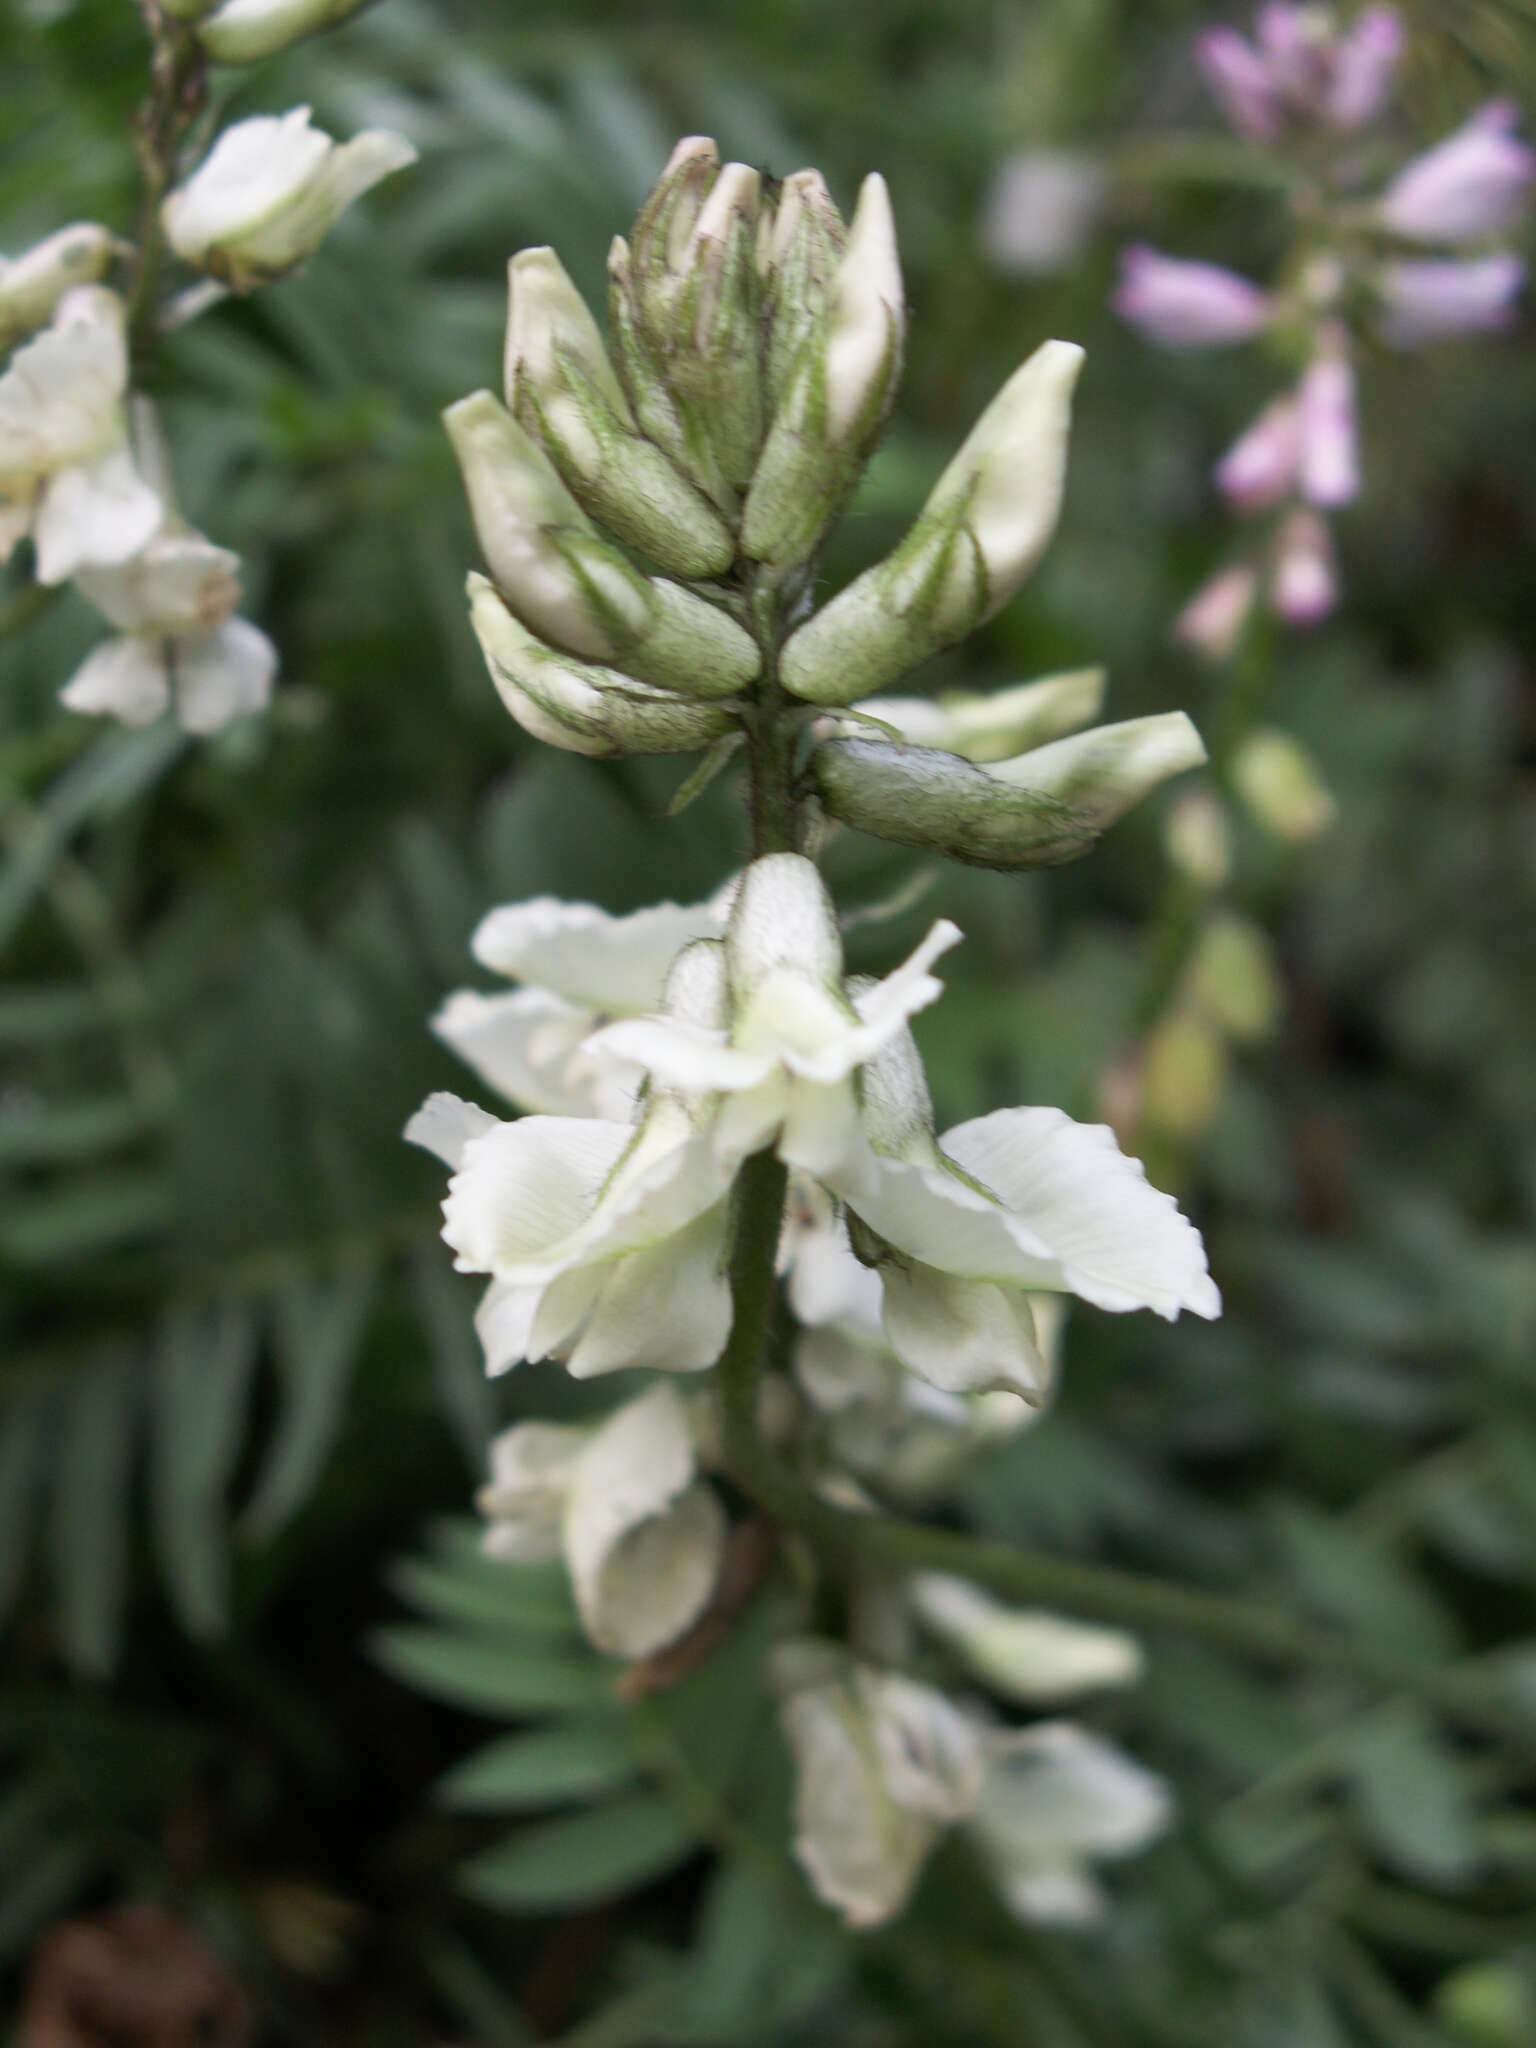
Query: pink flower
(1329, 454)
(1188, 305)
(1427, 300)
(1240, 83)
(1471, 184)
(1295, 43)
(1365, 61)
(1304, 586)
(1213, 620)
(1260, 466)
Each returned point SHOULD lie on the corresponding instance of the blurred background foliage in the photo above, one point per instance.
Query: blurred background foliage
(241, 1408)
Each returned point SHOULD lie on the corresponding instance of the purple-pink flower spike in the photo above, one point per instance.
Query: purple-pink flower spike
(1188, 305)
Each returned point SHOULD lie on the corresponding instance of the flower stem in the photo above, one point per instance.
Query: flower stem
(175, 97)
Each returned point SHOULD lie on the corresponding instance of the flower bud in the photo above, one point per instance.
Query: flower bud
(1188, 305)
(577, 705)
(268, 193)
(1030, 1658)
(1198, 839)
(1427, 301)
(1259, 469)
(798, 257)
(32, 284)
(986, 523)
(1469, 185)
(1100, 774)
(1212, 622)
(1183, 1075)
(1365, 61)
(1240, 83)
(837, 394)
(561, 386)
(1280, 784)
(990, 727)
(243, 31)
(1328, 456)
(1304, 584)
(1233, 980)
(570, 585)
(696, 296)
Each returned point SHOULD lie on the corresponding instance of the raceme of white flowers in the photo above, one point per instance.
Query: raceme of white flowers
(84, 473)
(649, 508)
(1307, 89)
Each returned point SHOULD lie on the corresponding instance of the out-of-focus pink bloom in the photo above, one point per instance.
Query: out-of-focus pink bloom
(1295, 44)
(1428, 300)
(1188, 305)
(1304, 585)
(1471, 184)
(1260, 466)
(1240, 83)
(1328, 464)
(1214, 618)
(1365, 61)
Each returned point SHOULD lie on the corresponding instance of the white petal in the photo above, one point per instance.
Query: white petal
(821, 1133)
(533, 1466)
(97, 511)
(60, 395)
(124, 678)
(178, 583)
(522, 1189)
(529, 1046)
(861, 1851)
(445, 1124)
(254, 170)
(503, 1322)
(1118, 1241)
(681, 1055)
(838, 1373)
(223, 675)
(1055, 1796)
(962, 1336)
(933, 1215)
(930, 1753)
(827, 1284)
(644, 1542)
(612, 965)
(1023, 1655)
(667, 1306)
(782, 916)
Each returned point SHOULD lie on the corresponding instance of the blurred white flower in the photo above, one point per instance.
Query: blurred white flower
(1030, 1658)
(67, 473)
(268, 193)
(643, 1535)
(1041, 209)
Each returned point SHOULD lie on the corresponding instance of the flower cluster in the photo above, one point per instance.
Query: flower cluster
(1314, 92)
(84, 471)
(705, 1090)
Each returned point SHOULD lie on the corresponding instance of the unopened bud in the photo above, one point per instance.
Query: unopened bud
(1198, 839)
(992, 726)
(32, 284)
(561, 386)
(572, 586)
(1183, 1075)
(243, 31)
(1280, 784)
(1037, 810)
(1212, 622)
(986, 524)
(798, 257)
(837, 393)
(1304, 584)
(1233, 980)
(577, 705)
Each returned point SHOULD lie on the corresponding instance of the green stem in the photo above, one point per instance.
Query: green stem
(174, 99)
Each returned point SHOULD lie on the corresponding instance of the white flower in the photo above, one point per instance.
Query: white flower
(32, 284)
(1054, 1799)
(882, 1766)
(582, 966)
(643, 1536)
(1023, 1199)
(605, 1242)
(1031, 1658)
(66, 470)
(784, 1060)
(268, 193)
(172, 602)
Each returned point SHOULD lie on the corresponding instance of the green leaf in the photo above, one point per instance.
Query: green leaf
(583, 1859)
(103, 1212)
(52, 1133)
(21, 1465)
(574, 1761)
(539, 1594)
(89, 1534)
(1411, 1797)
(694, 784)
(318, 1334)
(490, 1678)
(481, 1592)
(202, 1381)
(1358, 1586)
(445, 1311)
